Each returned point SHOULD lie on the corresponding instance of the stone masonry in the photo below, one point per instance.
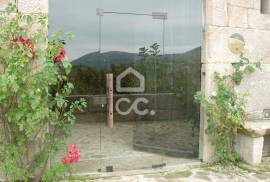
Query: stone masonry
(222, 19)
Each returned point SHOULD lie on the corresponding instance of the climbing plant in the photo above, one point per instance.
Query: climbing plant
(35, 114)
(225, 109)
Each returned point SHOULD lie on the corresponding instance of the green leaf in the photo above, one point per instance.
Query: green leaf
(67, 66)
(259, 65)
(249, 69)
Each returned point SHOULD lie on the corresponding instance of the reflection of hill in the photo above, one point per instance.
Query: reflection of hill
(176, 74)
(105, 60)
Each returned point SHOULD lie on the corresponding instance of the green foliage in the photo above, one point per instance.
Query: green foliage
(225, 110)
(35, 113)
(56, 173)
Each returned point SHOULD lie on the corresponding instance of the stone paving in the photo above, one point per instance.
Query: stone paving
(199, 174)
(191, 176)
(131, 145)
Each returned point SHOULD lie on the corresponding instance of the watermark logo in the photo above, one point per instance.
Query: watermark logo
(140, 88)
(128, 71)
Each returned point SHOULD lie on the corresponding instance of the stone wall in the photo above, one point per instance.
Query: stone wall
(27, 6)
(222, 18)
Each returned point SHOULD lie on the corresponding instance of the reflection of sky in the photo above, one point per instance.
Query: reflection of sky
(127, 32)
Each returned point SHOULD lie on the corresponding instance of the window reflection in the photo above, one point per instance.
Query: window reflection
(114, 35)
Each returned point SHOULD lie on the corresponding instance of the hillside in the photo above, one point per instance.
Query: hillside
(104, 60)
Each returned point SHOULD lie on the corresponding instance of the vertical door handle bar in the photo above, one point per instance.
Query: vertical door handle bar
(109, 90)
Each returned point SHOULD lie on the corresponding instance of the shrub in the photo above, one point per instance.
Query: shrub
(225, 110)
(35, 114)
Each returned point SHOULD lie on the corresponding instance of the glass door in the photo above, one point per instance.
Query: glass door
(125, 31)
(137, 63)
(155, 122)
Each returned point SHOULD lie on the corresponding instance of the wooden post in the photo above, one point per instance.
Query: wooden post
(109, 90)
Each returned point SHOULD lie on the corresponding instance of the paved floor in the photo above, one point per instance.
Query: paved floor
(192, 176)
(214, 174)
(132, 145)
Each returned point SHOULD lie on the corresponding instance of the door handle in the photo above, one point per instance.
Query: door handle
(109, 93)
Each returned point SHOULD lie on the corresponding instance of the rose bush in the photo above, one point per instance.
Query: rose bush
(72, 155)
(35, 114)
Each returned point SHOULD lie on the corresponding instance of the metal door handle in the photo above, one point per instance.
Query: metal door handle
(109, 91)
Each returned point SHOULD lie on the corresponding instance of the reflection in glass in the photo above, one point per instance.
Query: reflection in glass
(160, 40)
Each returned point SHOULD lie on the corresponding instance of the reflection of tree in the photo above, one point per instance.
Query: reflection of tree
(87, 81)
(163, 74)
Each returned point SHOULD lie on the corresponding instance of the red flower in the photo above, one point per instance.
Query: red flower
(72, 155)
(66, 160)
(26, 42)
(63, 52)
(60, 56)
(33, 54)
(21, 38)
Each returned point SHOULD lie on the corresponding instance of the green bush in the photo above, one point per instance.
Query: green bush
(225, 110)
(35, 114)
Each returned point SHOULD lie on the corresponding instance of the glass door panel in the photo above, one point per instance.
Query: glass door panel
(79, 18)
(121, 38)
(156, 72)
(152, 48)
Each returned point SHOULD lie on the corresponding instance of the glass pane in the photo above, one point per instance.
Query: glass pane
(80, 18)
(152, 48)
(159, 124)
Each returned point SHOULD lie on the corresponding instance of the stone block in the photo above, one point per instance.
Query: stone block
(242, 3)
(257, 20)
(33, 6)
(257, 86)
(257, 4)
(3, 4)
(256, 128)
(237, 16)
(216, 12)
(208, 72)
(250, 149)
(44, 6)
(216, 44)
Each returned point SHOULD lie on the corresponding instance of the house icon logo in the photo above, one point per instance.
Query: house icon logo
(120, 77)
(137, 101)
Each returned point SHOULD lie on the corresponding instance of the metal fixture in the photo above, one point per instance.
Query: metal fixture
(155, 15)
(266, 113)
(236, 43)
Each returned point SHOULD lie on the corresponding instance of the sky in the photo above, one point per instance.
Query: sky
(127, 32)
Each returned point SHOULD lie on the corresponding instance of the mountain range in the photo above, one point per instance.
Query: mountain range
(104, 60)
